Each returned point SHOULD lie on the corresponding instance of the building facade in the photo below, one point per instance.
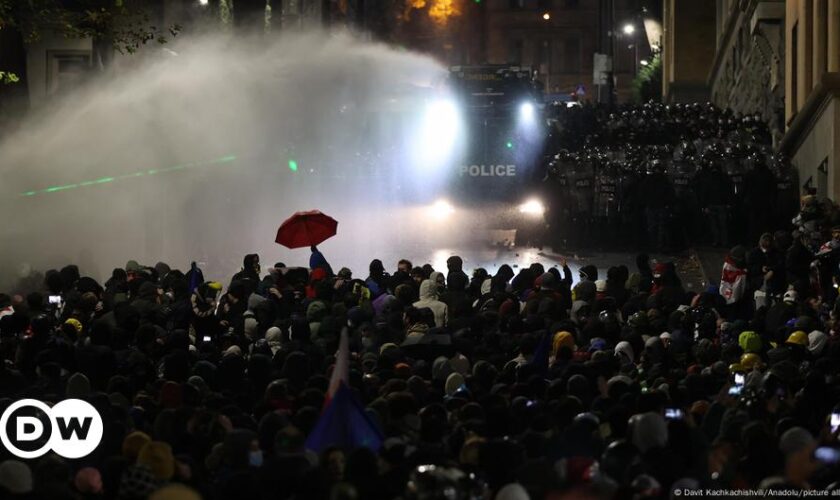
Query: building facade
(812, 93)
(687, 55)
(56, 64)
(558, 38)
(747, 73)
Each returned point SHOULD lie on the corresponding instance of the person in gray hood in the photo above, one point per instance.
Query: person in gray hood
(429, 298)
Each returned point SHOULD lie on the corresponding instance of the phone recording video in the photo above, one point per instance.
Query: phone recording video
(827, 455)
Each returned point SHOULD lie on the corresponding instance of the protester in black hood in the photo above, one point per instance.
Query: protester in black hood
(617, 285)
(765, 267)
(250, 273)
(588, 273)
(377, 280)
(645, 272)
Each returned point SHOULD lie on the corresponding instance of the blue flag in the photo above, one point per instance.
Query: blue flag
(345, 424)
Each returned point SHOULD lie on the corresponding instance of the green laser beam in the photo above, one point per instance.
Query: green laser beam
(140, 173)
(60, 188)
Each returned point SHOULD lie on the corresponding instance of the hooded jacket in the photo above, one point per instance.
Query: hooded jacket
(758, 260)
(429, 298)
(318, 261)
(817, 342)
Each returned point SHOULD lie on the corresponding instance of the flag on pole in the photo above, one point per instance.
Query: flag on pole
(345, 424)
(341, 370)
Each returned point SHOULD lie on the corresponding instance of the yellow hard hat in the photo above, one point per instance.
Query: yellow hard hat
(75, 324)
(750, 361)
(798, 337)
(736, 368)
(215, 285)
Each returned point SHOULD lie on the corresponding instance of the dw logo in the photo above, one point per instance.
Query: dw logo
(72, 428)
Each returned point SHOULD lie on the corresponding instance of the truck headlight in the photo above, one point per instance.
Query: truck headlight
(532, 207)
(526, 110)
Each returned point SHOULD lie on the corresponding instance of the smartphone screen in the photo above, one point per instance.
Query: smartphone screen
(827, 455)
(55, 299)
(835, 421)
(735, 390)
(739, 379)
(673, 413)
(207, 338)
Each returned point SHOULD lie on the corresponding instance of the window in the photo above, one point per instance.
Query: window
(571, 55)
(794, 69)
(66, 69)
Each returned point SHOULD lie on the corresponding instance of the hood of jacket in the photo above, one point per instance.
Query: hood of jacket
(428, 290)
(486, 286)
(438, 278)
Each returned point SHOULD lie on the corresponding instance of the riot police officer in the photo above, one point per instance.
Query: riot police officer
(606, 203)
(658, 196)
(582, 188)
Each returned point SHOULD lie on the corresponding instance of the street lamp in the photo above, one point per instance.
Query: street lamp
(203, 2)
(546, 16)
(629, 30)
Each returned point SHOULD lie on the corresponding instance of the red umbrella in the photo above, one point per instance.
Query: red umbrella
(305, 229)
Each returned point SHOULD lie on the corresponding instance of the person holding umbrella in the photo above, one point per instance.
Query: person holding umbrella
(308, 229)
(318, 261)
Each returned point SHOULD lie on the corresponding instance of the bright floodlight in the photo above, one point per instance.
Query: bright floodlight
(546, 16)
(532, 207)
(441, 209)
(203, 2)
(526, 110)
(644, 62)
(439, 130)
(443, 114)
(629, 29)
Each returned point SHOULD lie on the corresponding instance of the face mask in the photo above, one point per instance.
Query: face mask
(255, 458)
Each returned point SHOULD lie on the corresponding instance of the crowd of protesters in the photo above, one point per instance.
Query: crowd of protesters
(664, 176)
(523, 384)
